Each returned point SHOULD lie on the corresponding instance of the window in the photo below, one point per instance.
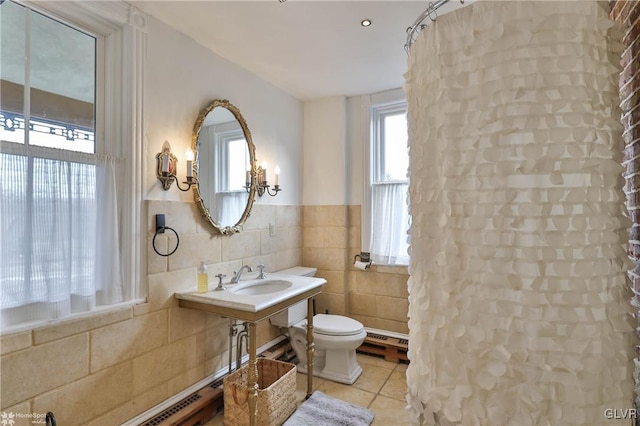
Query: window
(63, 202)
(388, 185)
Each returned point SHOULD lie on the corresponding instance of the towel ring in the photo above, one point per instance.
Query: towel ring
(161, 231)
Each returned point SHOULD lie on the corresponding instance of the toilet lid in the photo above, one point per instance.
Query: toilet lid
(336, 325)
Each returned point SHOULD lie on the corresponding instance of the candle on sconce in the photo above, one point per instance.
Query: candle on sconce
(190, 157)
(248, 178)
(264, 171)
(165, 164)
(277, 173)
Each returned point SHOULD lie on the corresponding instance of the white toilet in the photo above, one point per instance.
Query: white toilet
(336, 338)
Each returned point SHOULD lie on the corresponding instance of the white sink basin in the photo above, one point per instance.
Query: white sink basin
(261, 287)
(253, 295)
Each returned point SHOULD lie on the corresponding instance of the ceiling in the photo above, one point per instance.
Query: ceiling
(308, 48)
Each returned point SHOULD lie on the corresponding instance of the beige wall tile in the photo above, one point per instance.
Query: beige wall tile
(216, 341)
(80, 325)
(313, 236)
(193, 249)
(166, 362)
(268, 243)
(288, 238)
(355, 215)
(288, 259)
(336, 304)
(354, 239)
(363, 304)
(383, 324)
(391, 285)
(116, 343)
(162, 286)
(335, 237)
(333, 215)
(324, 258)
(323, 303)
(186, 379)
(261, 216)
(89, 397)
(141, 309)
(22, 408)
(155, 262)
(394, 308)
(180, 216)
(311, 216)
(269, 261)
(399, 270)
(36, 370)
(133, 407)
(288, 216)
(335, 281)
(185, 322)
(15, 341)
(238, 246)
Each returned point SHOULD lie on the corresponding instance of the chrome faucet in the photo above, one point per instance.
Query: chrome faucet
(237, 275)
(261, 275)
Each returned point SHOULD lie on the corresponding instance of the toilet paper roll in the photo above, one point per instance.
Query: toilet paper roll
(362, 265)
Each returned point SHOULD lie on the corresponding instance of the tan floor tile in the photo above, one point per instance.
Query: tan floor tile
(382, 388)
(396, 386)
(372, 379)
(374, 361)
(401, 366)
(389, 412)
(347, 393)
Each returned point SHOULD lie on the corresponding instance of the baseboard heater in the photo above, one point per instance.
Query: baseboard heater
(201, 405)
(392, 346)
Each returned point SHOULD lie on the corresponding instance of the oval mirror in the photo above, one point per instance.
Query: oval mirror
(225, 159)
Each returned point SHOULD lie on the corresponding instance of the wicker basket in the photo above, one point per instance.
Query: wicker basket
(276, 394)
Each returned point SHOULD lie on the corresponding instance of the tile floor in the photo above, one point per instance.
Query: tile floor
(381, 388)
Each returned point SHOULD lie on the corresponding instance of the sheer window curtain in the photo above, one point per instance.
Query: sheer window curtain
(60, 251)
(389, 223)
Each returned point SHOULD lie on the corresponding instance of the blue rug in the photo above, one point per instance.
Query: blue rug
(324, 410)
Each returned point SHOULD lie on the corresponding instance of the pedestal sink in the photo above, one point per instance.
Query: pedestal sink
(253, 301)
(256, 287)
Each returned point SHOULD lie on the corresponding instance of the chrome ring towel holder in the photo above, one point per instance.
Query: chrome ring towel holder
(160, 228)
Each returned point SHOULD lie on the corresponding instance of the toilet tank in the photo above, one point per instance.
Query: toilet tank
(296, 312)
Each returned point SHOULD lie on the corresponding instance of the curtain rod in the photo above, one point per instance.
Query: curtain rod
(419, 25)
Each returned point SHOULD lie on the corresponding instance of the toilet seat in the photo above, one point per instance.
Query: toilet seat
(334, 325)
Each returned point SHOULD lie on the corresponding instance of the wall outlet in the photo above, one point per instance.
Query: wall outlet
(272, 230)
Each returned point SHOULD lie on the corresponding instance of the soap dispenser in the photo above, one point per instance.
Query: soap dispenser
(203, 278)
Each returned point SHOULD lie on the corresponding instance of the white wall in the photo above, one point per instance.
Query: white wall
(182, 77)
(325, 143)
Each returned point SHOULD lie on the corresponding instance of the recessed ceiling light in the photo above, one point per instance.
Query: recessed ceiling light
(365, 22)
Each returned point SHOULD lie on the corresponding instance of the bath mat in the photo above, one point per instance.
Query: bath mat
(324, 410)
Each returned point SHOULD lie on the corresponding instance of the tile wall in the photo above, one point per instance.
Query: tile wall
(110, 367)
(377, 297)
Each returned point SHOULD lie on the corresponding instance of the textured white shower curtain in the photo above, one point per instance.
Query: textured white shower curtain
(519, 300)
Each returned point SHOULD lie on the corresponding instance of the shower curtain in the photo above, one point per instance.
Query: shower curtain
(519, 299)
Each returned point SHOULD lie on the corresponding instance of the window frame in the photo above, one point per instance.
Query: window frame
(118, 114)
(375, 106)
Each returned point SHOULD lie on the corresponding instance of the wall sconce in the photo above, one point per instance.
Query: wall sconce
(263, 185)
(166, 170)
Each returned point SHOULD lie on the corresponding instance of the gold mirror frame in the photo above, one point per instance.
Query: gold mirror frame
(224, 230)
